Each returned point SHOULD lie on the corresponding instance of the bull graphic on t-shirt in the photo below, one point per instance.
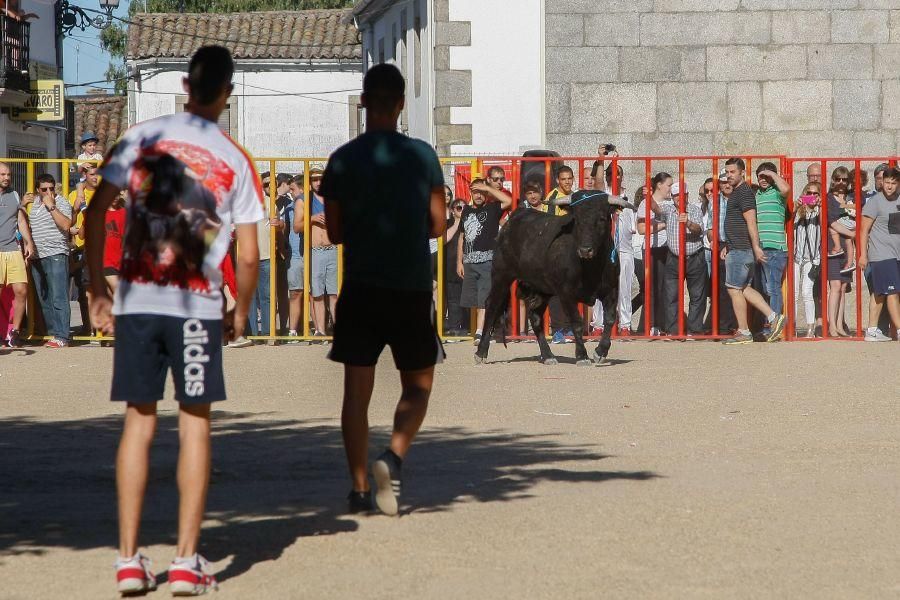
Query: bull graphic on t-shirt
(172, 222)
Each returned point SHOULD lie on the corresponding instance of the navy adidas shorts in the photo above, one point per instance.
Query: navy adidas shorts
(369, 318)
(147, 346)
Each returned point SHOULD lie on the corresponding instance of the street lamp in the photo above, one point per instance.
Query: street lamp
(70, 16)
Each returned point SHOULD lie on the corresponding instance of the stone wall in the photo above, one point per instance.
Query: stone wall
(452, 87)
(800, 77)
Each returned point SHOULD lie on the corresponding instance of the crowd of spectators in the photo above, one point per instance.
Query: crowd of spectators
(753, 215)
(670, 232)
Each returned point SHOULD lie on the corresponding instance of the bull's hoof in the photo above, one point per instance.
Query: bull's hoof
(479, 360)
(584, 362)
(599, 359)
(550, 361)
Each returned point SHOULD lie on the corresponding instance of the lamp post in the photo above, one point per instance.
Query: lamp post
(70, 16)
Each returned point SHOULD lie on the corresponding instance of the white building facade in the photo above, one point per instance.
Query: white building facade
(295, 95)
(474, 69)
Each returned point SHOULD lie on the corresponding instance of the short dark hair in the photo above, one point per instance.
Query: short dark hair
(609, 173)
(892, 173)
(383, 87)
(496, 168)
(297, 179)
(533, 186)
(766, 166)
(45, 178)
(881, 169)
(282, 178)
(565, 169)
(736, 161)
(209, 73)
(477, 180)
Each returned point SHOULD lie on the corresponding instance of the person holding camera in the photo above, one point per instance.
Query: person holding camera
(807, 260)
(604, 151)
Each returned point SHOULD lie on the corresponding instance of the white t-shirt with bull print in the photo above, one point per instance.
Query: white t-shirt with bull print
(187, 184)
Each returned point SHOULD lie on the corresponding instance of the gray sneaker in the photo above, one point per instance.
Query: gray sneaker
(777, 327)
(873, 334)
(386, 471)
(739, 338)
(240, 342)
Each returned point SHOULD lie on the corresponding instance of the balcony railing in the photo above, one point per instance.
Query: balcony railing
(14, 43)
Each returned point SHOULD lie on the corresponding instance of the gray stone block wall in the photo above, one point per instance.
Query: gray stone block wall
(802, 77)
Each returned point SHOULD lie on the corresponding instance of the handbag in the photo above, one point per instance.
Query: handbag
(815, 271)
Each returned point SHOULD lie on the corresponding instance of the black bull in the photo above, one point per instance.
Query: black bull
(570, 257)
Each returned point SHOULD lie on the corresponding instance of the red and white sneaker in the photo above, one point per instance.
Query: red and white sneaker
(133, 575)
(191, 577)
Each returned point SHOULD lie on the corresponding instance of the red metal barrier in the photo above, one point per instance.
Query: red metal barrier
(685, 167)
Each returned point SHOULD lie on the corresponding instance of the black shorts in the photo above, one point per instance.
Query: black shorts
(368, 318)
(147, 346)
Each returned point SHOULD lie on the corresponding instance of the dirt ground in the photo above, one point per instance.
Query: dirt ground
(681, 470)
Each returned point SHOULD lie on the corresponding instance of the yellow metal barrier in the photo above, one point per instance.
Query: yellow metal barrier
(61, 169)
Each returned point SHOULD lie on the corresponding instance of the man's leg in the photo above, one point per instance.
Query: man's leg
(265, 304)
(416, 389)
(20, 299)
(696, 275)
(774, 273)
(358, 385)
(756, 300)
(296, 306)
(876, 305)
(132, 465)
(332, 307)
(193, 474)
(58, 280)
(893, 309)
(670, 285)
(318, 313)
(739, 304)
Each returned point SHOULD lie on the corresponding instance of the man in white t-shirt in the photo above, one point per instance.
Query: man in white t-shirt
(188, 183)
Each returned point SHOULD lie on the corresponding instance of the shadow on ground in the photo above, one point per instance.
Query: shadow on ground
(274, 481)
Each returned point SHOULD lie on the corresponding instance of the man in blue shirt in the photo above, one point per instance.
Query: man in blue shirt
(384, 199)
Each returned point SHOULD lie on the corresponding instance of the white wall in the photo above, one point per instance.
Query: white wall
(272, 124)
(506, 60)
(419, 121)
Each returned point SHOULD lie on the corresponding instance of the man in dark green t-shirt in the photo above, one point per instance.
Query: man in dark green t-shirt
(384, 199)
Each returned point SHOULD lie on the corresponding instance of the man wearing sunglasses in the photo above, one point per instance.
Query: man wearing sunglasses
(51, 217)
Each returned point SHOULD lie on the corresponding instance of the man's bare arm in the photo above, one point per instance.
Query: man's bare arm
(437, 222)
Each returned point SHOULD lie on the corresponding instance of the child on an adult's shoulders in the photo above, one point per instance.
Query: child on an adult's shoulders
(89, 152)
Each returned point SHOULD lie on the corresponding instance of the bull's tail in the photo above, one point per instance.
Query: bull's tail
(497, 309)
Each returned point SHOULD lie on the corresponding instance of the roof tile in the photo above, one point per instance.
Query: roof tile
(301, 34)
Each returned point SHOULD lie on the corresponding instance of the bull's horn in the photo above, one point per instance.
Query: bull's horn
(619, 201)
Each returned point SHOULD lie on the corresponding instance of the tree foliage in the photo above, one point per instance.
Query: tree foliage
(114, 39)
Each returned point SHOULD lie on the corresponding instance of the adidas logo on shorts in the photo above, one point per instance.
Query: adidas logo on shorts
(195, 357)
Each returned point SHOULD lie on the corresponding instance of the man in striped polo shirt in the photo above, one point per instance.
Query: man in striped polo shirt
(770, 217)
(51, 217)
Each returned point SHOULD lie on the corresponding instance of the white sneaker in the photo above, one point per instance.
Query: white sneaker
(191, 577)
(873, 334)
(240, 342)
(133, 575)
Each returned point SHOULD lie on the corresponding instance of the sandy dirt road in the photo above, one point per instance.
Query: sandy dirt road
(683, 470)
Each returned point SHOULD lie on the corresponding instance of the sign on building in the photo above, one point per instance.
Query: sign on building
(45, 102)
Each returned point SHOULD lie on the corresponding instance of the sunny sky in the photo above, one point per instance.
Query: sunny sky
(83, 59)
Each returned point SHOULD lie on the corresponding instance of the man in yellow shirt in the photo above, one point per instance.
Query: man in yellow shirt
(565, 187)
(80, 198)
